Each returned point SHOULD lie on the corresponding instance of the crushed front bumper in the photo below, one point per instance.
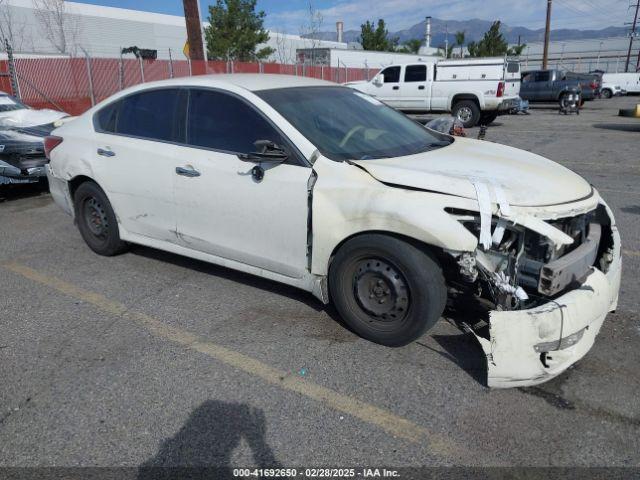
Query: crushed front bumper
(528, 347)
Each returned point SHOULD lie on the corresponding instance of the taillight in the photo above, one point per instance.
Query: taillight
(500, 89)
(594, 85)
(50, 143)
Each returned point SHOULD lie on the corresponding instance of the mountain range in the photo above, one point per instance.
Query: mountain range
(474, 30)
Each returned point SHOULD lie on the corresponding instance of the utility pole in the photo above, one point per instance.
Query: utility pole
(547, 34)
(631, 35)
(194, 29)
(446, 41)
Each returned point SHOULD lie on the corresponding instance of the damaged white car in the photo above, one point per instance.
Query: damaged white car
(325, 188)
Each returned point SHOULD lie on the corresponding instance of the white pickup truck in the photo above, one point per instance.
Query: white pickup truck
(475, 90)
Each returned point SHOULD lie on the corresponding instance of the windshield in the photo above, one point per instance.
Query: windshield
(345, 124)
(8, 104)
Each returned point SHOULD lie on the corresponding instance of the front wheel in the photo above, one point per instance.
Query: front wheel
(386, 290)
(96, 220)
(607, 93)
(468, 112)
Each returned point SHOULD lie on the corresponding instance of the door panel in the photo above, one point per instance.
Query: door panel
(413, 94)
(225, 212)
(135, 157)
(221, 208)
(389, 91)
(137, 176)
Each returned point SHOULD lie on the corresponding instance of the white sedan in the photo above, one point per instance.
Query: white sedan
(325, 188)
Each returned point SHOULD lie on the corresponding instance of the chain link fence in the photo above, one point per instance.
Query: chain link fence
(75, 84)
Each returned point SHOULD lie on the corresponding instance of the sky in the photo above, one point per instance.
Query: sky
(290, 15)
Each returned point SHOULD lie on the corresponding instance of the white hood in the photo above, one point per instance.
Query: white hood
(526, 178)
(29, 118)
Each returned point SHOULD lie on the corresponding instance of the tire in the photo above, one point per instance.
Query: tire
(386, 290)
(606, 93)
(97, 221)
(487, 118)
(468, 112)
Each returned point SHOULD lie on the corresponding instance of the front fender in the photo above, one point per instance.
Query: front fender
(347, 201)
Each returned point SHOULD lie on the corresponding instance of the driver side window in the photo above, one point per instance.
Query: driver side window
(391, 75)
(221, 121)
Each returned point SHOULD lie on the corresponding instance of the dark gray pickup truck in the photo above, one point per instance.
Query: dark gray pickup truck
(550, 85)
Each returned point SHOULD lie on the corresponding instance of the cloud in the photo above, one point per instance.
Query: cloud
(400, 14)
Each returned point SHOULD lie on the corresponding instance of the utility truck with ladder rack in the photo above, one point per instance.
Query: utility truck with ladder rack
(475, 90)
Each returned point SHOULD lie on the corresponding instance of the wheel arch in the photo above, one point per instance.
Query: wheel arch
(437, 253)
(465, 96)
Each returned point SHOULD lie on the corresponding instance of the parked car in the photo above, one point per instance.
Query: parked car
(322, 187)
(474, 90)
(15, 114)
(22, 132)
(550, 86)
(611, 90)
(22, 157)
(628, 82)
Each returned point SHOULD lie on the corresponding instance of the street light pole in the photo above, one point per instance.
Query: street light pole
(547, 34)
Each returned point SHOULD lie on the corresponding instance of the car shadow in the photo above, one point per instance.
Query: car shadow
(254, 281)
(12, 192)
(203, 447)
(620, 127)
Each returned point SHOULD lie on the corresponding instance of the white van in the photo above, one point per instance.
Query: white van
(475, 90)
(629, 82)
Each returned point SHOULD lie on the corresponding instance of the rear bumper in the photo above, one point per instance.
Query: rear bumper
(508, 105)
(10, 174)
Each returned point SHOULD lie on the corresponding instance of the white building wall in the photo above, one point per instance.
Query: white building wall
(104, 31)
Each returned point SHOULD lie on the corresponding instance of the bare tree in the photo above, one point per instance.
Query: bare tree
(11, 28)
(285, 52)
(311, 29)
(59, 27)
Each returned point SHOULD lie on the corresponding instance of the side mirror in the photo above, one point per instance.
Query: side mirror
(266, 152)
(378, 80)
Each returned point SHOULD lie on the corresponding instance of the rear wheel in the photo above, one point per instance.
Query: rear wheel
(97, 221)
(606, 93)
(468, 112)
(386, 290)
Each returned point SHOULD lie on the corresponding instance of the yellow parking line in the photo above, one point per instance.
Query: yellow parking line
(631, 253)
(384, 419)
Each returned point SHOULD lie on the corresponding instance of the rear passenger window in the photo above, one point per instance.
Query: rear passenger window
(105, 119)
(415, 73)
(150, 114)
(391, 75)
(223, 122)
(513, 67)
(543, 76)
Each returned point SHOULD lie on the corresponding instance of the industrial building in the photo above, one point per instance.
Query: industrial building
(103, 31)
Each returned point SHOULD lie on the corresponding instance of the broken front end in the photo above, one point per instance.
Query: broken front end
(543, 287)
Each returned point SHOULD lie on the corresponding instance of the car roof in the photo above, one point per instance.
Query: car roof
(250, 81)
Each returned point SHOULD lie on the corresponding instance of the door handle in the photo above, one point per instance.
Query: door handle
(104, 152)
(421, 87)
(396, 88)
(187, 172)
